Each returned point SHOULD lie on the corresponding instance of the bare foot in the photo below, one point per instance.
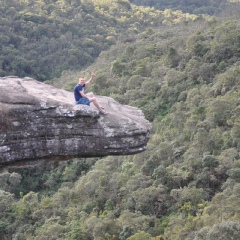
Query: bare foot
(103, 112)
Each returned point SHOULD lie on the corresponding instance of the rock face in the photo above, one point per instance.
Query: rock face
(38, 121)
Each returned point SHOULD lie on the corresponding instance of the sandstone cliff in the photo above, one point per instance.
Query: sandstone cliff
(39, 121)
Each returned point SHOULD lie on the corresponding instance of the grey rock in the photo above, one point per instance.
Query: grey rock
(39, 121)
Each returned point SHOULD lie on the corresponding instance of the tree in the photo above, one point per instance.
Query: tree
(7, 216)
(10, 182)
(140, 236)
(125, 233)
(219, 111)
(220, 231)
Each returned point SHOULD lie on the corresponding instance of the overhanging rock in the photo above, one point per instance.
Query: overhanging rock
(39, 121)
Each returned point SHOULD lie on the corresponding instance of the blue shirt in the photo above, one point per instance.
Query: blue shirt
(77, 90)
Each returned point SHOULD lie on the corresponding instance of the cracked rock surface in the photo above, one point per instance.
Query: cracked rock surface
(39, 121)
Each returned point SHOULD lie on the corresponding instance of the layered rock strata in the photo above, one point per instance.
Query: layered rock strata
(39, 121)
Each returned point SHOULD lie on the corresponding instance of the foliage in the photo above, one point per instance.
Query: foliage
(41, 39)
(185, 78)
(221, 231)
(196, 7)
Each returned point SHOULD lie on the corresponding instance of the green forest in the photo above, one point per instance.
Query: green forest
(177, 61)
(209, 7)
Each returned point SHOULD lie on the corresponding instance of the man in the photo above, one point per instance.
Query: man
(82, 98)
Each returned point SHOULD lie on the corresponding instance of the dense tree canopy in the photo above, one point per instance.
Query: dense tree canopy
(184, 75)
(40, 39)
(192, 6)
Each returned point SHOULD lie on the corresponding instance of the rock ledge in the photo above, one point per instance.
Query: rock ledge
(38, 121)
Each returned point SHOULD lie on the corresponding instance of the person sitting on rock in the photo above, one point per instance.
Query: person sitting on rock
(86, 99)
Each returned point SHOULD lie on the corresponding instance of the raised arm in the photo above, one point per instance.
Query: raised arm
(90, 79)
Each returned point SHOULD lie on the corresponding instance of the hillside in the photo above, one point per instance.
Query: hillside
(210, 7)
(184, 75)
(40, 39)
